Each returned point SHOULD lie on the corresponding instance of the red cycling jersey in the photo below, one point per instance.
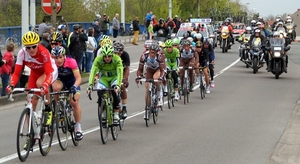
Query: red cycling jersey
(41, 63)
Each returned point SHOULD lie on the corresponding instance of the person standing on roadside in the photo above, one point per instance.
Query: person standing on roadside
(6, 69)
(82, 49)
(148, 19)
(136, 30)
(116, 25)
(42, 28)
(103, 24)
(97, 30)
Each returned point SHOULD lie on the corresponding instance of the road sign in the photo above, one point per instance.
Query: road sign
(46, 6)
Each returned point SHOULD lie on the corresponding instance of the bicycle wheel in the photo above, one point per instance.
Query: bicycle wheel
(23, 135)
(148, 108)
(46, 135)
(62, 126)
(102, 110)
(71, 124)
(169, 94)
(114, 132)
(163, 97)
(185, 90)
(155, 115)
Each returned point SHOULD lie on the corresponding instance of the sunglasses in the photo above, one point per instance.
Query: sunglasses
(54, 44)
(31, 47)
(198, 47)
(107, 56)
(169, 47)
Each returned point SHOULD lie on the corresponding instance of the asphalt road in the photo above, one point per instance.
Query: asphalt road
(239, 122)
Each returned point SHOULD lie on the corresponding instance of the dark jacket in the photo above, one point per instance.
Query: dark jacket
(262, 38)
(163, 28)
(82, 39)
(103, 24)
(74, 44)
(1, 62)
(135, 25)
(96, 32)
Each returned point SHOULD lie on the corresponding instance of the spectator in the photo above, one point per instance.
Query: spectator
(177, 23)
(116, 25)
(148, 19)
(42, 28)
(97, 30)
(154, 20)
(62, 21)
(82, 49)
(103, 24)
(6, 69)
(62, 29)
(150, 30)
(1, 61)
(98, 17)
(171, 24)
(45, 41)
(91, 46)
(74, 44)
(24, 77)
(191, 16)
(136, 30)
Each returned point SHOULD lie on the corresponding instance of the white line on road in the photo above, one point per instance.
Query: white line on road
(55, 142)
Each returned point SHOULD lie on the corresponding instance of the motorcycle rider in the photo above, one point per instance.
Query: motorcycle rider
(242, 38)
(264, 32)
(253, 24)
(280, 26)
(226, 23)
(257, 35)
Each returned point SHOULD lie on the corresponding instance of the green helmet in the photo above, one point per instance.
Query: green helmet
(176, 41)
(169, 43)
(107, 50)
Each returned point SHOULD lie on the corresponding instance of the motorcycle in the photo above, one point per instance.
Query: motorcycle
(225, 39)
(243, 49)
(255, 55)
(277, 58)
(291, 31)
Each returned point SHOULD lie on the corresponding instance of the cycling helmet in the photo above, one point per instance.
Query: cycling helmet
(154, 47)
(276, 33)
(186, 42)
(161, 44)
(198, 36)
(105, 37)
(190, 39)
(107, 50)
(56, 37)
(169, 43)
(30, 38)
(248, 28)
(60, 27)
(176, 41)
(198, 43)
(147, 44)
(76, 27)
(185, 35)
(258, 23)
(118, 46)
(57, 51)
(205, 40)
(105, 41)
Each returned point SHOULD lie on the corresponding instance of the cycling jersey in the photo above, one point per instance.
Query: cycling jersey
(187, 54)
(41, 63)
(112, 69)
(153, 64)
(66, 72)
(125, 59)
(172, 59)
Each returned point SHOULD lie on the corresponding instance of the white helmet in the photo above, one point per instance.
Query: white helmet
(276, 33)
(253, 21)
(248, 28)
(289, 20)
(279, 23)
(190, 39)
(198, 36)
(288, 17)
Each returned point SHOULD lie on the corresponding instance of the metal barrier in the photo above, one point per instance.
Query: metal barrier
(16, 31)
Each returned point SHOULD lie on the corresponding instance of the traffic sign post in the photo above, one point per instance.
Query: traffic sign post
(47, 8)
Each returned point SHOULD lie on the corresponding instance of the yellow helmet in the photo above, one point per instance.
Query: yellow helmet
(106, 41)
(30, 38)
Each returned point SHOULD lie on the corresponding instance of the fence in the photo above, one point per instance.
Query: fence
(15, 32)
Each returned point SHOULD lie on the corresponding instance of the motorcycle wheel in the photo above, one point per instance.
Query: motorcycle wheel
(255, 67)
(276, 70)
(223, 46)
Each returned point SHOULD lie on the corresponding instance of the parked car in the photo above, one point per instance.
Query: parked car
(238, 29)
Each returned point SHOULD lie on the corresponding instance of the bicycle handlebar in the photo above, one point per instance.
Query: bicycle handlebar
(61, 92)
(23, 90)
(185, 67)
(104, 89)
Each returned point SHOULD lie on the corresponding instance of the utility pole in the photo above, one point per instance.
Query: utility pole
(123, 12)
(170, 8)
(32, 14)
(53, 16)
(198, 8)
(25, 13)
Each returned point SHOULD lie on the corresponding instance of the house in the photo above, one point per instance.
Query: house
(296, 19)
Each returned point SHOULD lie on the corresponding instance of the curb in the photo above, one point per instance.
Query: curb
(21, 96)
(287, 149)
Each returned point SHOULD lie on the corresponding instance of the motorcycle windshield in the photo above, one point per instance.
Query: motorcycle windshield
(277, 42)
(289, 25)
(225, 29)
(281, 30)
(256, 42)
(247, 36)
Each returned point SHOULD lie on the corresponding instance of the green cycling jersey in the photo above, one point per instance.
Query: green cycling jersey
(112, 69)
(171, 57)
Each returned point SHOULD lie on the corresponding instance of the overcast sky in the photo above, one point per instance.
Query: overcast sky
(272, 7)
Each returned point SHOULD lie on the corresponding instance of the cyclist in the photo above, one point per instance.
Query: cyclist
(43, 71)
(155, 68)
(203, 60)
(102, 43)
(68, 78)
(56, 39)
(119, 50)
(188, 57)
(172, 62)
(208, 47)
(111, 74)
(176, 43)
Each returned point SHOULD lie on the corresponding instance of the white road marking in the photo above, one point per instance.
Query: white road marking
(134, 68)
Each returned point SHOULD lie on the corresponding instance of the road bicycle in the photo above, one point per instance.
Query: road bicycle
(151, 107)
(202, 84)
(170, 86)
(186, 83)
(65, 122)
(105, 114)
(31, 125)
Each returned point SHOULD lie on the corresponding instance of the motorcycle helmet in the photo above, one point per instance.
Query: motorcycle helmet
(276, 33)
(288, 17)
(258, 23)
(279, 23)
(289, 21)
(198, 36)
(257, 31)
(248, 28)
